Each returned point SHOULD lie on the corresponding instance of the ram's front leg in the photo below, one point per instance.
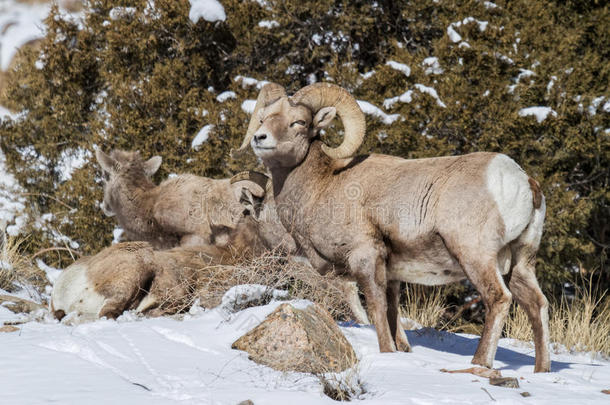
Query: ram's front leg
(367, 265)
(396, 328)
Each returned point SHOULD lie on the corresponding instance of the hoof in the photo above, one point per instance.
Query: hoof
(404, 347)
(482, 363)
(542, 369)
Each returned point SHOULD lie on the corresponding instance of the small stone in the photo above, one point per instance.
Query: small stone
(246, 402)
(9, 328)
(306, 340)
(607, 392)
(525, 394)
(506, 382)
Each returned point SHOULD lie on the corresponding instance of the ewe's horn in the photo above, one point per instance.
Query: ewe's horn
(320, 95)
(270, 93)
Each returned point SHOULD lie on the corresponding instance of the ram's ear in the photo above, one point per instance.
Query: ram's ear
(324, 117)
(152, 165)
(108, 164)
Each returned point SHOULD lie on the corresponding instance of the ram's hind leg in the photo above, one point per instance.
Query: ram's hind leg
(396, 328)
(525, 289)
(484, 273)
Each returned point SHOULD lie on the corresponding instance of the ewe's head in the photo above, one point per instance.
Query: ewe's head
(123, 171)
(282, 127)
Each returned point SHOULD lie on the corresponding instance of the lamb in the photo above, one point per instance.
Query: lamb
(384, 220)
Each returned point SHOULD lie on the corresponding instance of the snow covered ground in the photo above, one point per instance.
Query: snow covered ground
(189, 361)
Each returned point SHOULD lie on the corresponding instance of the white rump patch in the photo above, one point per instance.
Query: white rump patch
(510, 189)
(74, 292)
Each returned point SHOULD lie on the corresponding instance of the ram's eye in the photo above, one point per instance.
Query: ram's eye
(299, 122)
(261, 121)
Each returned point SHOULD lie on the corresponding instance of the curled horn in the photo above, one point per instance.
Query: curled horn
(256, 177)
(320, 95)
(270, 93)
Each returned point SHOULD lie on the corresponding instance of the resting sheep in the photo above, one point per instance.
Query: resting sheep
(131, 275)
(383, 219)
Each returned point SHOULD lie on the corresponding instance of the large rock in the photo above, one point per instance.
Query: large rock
(302, 338)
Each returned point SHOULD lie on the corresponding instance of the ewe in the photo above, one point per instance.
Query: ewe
(185, 210)
(382, 219)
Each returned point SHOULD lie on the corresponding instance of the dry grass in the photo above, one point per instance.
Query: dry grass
(274, 271)
(345, 386)
(16, 269)
(424, 305)
(581, 323)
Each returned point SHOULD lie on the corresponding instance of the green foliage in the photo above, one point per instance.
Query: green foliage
(148, 79)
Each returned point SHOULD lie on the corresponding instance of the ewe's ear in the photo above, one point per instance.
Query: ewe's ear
(108, 164)
(250, 195)
(324, 117)
(152, 165)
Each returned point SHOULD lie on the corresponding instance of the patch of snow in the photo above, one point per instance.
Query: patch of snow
(431, 92)
(202, 136)
(188, 359)
(225, 95)
(268, 24)
(250, 81)
(71, 160)
(453, 34)
(486, 93)
(367, 75)
(432, 66)
(117, 13)
(294, 69)
(504, 58)
(12, 201)
(463, 44)
(455, 37)
(5, 113)
(489, 5)
(541, 113)
(405, 97)
(209, 10)
(247, 294)
(594, 104)
(248, 106)
(20, 24)
(117, 233)
(551, 83)
(401, 67)
(375, 111)
(23, 22)
(524, 73)
(606, 107)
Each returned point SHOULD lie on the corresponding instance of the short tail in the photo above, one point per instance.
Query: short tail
(536, 193)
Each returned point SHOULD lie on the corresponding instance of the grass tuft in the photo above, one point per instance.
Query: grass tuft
(580, 323)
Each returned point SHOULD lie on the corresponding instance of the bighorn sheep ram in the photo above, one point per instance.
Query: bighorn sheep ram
(189, 210)
(383, 219)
